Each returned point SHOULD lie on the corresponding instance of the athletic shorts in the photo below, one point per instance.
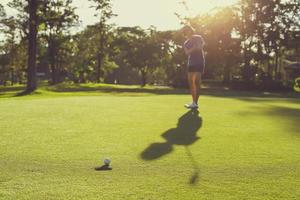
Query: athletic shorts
(196, 68)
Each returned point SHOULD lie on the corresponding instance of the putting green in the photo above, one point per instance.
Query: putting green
(241, 147)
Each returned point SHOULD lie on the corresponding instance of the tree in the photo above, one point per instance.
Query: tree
(32, 45)
(264, 29)
(8, 28)
(141, 50)
(290, 19)
(104, 8)
(84, 62)
(23, 28)
(2, 16)
(3, 55)
(57, 16)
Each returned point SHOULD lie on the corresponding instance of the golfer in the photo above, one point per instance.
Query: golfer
(193, 47)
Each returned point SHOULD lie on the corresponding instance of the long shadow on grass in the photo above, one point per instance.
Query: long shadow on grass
(291, 116)
(184, 134)
(134, 90)
(210, 91)
(288, 117)
(251, 96)
(115, 89)
(11, 89)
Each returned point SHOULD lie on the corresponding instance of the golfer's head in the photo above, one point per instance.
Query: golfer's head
(187, 31)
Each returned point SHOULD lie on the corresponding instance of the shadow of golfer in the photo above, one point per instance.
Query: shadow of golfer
(184, 134)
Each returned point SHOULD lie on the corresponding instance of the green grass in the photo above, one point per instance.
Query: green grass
(246, 146)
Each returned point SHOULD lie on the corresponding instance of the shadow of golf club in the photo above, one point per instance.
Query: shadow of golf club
(195, 177)
(184, 134)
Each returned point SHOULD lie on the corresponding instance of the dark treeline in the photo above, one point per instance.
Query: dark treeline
(252, 43)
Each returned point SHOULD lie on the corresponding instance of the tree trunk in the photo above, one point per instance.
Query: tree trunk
(246, 74)
(98, 70)
(12, 78)
(53, 74)
(52, 61)
(81, 77)
(144, 78)
(270, 74)
(32, 41)
(100, 56)
(227, 72)
(20, 81)
(277, 68)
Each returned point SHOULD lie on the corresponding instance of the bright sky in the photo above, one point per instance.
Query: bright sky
(144, 13)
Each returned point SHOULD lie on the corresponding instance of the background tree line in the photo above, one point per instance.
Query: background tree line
(248, 44)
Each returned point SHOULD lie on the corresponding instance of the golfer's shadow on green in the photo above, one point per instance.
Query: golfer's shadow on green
(184, 134)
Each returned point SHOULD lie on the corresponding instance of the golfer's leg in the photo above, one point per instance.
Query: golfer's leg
(190, 79)
(197, 85)
(194, 89)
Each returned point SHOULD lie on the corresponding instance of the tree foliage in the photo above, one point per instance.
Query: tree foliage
(251, 41)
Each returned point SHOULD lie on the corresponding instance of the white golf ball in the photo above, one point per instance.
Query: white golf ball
(106, 161)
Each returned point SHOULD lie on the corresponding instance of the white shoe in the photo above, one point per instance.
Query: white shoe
(194, 106)
(188, 105)
(191, 106)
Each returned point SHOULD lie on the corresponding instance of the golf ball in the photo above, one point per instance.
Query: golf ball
(106, 161)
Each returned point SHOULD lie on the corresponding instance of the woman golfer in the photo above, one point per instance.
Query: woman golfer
(193, 47)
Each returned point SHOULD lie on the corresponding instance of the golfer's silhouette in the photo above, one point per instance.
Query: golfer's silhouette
(184, 134)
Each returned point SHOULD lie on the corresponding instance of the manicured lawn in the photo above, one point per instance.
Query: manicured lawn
(242, 147)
